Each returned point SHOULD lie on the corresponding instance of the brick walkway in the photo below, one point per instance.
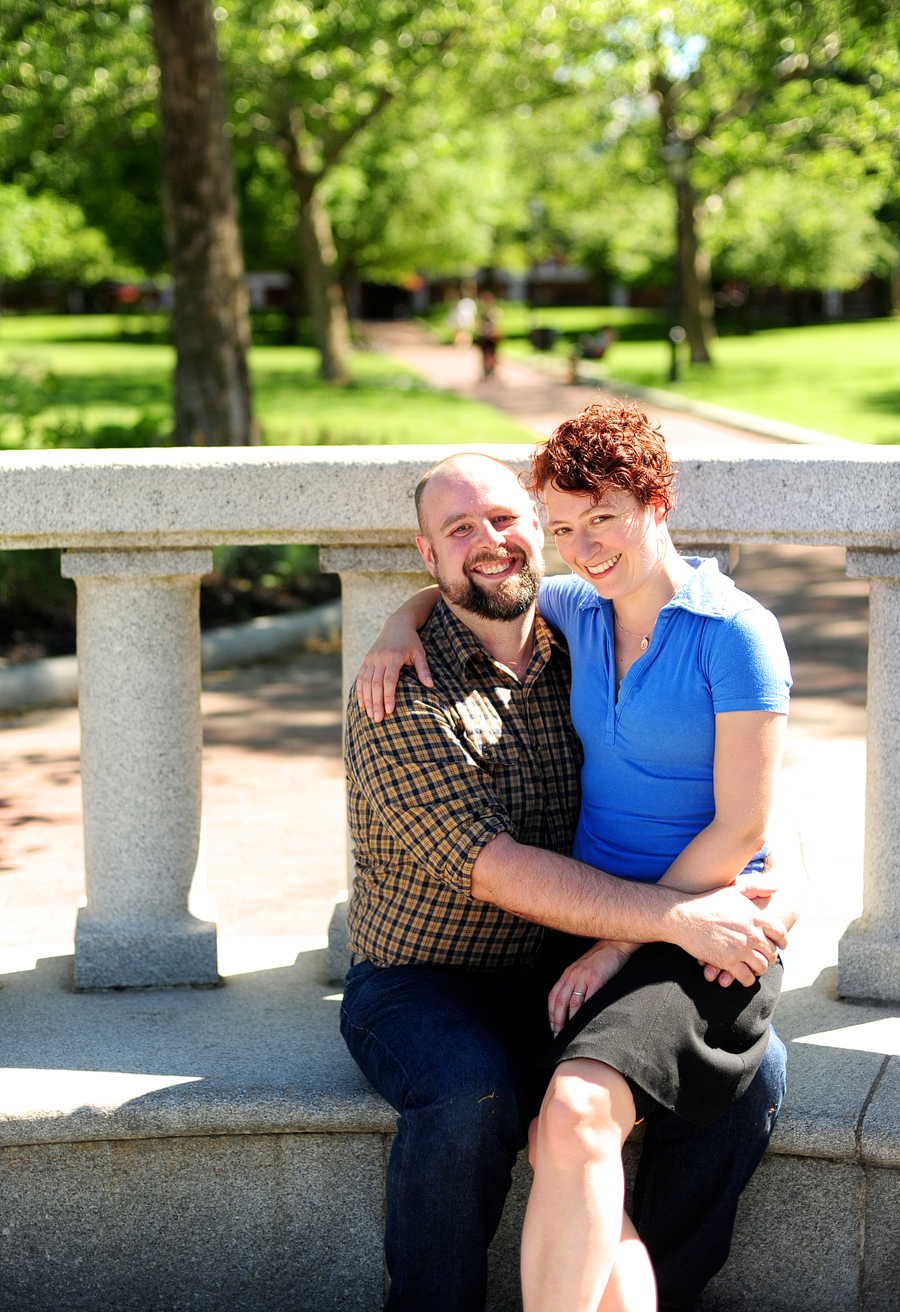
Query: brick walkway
(537, 398)
(273, 806)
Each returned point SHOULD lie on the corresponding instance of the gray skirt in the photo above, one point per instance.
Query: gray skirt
(685, 1043)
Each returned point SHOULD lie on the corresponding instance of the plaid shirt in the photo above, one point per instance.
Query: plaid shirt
(478, 755)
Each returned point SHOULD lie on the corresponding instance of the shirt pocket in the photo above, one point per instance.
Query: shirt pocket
(492, 752)
(502, 754)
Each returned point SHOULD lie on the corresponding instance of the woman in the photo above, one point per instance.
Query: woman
(679, 694)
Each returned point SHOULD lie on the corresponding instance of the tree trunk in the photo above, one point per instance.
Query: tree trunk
(324, 291)
(210, 322)
(696, 308)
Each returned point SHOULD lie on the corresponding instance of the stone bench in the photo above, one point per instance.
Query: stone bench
(213, 1149)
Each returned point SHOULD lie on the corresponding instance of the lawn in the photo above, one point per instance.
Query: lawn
(836, 378)
(70, 375)
(63, 376)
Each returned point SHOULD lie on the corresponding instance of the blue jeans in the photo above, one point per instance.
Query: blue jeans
(451, 1052)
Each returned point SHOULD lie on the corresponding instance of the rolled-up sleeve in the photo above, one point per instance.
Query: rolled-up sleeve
(429, 798)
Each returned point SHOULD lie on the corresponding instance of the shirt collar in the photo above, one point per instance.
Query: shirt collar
(706, 592)
(460, 646)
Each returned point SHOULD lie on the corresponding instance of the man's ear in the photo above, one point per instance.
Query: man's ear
(427, 554)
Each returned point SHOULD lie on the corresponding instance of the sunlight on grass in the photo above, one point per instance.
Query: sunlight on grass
(73, 369)
(837, 378)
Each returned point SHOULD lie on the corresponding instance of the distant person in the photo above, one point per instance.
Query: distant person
(461, 321)
(489, 335)
(590, 347)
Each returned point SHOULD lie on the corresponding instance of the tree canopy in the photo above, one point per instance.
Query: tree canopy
(47, 238)
(376, 137)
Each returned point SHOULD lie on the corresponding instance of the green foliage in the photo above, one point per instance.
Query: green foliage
(37, 605)
(251, 581)
(795, 231)
(48, 238)
(467, 134)
(718, 91)
(78, 93)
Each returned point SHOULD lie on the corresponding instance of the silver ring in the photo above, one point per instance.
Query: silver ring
(576, 994)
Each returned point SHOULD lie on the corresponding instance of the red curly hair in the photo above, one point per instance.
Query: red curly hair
(606, 446)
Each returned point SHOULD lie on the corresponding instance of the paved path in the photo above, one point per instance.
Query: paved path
(273, 806)
(537, 397)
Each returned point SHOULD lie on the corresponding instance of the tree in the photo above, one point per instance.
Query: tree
(778, 228)
(309, 77)
(425, 188)
(698, 93)
(83, 88)
(210, 324)
(808, 221)
(79, 87)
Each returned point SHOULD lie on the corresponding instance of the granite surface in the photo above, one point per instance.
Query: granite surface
(845, 495)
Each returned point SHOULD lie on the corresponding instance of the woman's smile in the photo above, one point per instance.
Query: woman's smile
(596, 571)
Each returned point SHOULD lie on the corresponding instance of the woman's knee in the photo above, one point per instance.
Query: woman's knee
(588, 1110)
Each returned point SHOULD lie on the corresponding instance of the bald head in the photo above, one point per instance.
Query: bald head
(480, 539)
(437, 487)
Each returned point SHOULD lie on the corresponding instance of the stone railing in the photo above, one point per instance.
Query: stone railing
(137, 528)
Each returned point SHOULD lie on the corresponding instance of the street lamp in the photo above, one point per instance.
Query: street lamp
(675, 156)
(676, 335)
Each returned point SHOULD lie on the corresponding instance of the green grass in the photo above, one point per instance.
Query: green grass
(836, 378)
(75, 370)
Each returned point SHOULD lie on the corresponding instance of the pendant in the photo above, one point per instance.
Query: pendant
(645, 643)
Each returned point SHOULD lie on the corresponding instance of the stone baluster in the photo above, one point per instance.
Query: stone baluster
(374, 581)
(139, 703)
(727, 554)
(869, 954)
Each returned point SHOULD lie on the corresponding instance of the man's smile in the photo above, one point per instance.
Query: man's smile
(495, 568)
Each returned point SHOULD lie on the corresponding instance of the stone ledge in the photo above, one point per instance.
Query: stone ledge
(348, 496)
(260, 1055)
(218, 1148)
(263, 1055)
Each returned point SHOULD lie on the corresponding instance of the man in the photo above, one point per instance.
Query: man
(463, 805)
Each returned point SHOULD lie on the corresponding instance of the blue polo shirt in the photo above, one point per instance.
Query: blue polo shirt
(647, 781)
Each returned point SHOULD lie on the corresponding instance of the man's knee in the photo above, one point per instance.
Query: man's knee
(476, 1101)
(752, 1118)
(436, 1057)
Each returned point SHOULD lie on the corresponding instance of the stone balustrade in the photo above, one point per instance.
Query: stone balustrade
(136, 528)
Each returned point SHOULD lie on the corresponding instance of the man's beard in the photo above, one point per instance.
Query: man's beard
(507, 602)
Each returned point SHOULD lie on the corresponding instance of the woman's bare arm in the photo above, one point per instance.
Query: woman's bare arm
(748, 751)
(749, 746)
(397, 644)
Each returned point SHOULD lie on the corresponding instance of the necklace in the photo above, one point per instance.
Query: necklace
(645, 638)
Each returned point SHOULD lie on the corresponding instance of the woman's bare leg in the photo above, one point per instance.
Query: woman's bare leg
(573, 1233)
(632, 1284)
